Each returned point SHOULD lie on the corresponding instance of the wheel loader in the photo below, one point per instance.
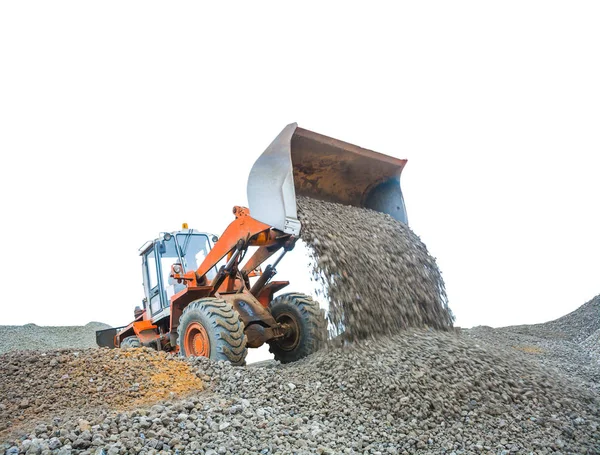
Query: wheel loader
(204, 297)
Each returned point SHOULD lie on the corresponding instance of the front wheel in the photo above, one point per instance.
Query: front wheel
(212, 328)
(304, 323)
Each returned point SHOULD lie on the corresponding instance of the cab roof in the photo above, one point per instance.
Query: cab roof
(150, 243)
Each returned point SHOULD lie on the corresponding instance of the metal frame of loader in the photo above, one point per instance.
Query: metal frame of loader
(159, 329)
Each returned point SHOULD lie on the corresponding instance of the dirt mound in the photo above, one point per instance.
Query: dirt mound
(37, 385)
(31, 336)
(378, 275)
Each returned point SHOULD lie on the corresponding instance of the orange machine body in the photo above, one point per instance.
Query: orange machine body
(157, 327)
(184, 266)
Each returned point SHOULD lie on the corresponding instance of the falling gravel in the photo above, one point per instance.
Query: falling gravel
(377, 274)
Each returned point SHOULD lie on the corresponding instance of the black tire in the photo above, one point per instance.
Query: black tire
(217, 327)
(130, 343)
(309, 333)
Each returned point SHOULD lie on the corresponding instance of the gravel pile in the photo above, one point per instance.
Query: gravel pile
(31, 336)
(576, 326)
(557, 356)
(418, 392)
(378, 276)
(37, 385)
(592, 346)
(570, 344)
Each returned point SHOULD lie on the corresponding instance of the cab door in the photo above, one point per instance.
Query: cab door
(154, 285)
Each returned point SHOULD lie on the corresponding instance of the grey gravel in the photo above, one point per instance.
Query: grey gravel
(31, 336)
(421, 391)
(592, 345)
(570, 344)
(576, 326)
(377, 274)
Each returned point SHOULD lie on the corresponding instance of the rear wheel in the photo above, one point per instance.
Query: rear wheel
(212, 328)
(130, 342)
(305, 325)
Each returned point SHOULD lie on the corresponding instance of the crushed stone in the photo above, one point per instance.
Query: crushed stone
(377, 274)
(569, 344)
(576, 326)
(592, 345)
(35, 385)
(421, 391)
(31, 336)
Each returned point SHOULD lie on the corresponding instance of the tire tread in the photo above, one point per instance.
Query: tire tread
(226, 325)
(314, 319)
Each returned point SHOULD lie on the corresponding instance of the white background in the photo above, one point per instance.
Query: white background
(119, 120)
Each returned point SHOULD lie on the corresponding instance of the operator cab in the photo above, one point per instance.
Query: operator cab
(187, 247)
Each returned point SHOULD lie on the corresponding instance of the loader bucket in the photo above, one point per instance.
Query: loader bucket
(106, 338)
(301, 162)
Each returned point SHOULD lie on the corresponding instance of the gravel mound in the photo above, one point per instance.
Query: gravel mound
(378, 276)
(36, 385)
(592, 346)
(570, 344)
(418, 392)
(31, 336)
(557, 356)
(575, 326)
(431, 392)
